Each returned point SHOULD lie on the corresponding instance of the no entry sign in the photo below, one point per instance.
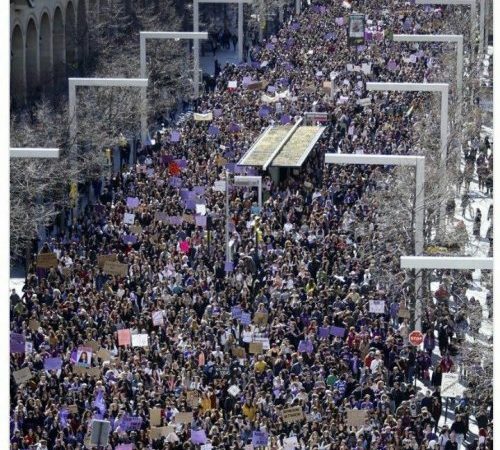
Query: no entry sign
(416, 338)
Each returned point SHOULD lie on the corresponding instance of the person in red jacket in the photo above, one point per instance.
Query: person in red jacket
(446, 364)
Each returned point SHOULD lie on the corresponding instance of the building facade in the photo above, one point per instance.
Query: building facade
(49, 42)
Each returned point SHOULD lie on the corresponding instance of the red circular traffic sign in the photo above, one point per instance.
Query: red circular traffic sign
(416, 338)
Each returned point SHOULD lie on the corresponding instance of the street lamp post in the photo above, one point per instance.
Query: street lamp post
(196, 23)
(95, 82)
(442, 88)
(396, 160)
(195, 36)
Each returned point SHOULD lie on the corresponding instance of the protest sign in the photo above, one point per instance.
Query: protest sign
(377, 306)
(324, 332)
(93, 345)
(140, 340)
(238, 352)
(34, 324)
(128, 218)
(260, 318)
(28, 347)
(293, 414)
(17, 343)
(132, 202)
(192, 399)
(100, 432)
(356, 417)
(129, 423)
(183, 417)
(124, 337)
(124, 447)
(101, 259)
(404, 312)
(305, 347)
(104, 355)
(290, 443)
(84, 356)
(450, 385)
(46, 260)
(203, 117)
(115, 268)
(23, 375)
(73, 409)
(234, 390)
(157, 318)
(255, 347)
(245, 318)
(52, 363)
(337, 331)
(259, 438)
(155, 417)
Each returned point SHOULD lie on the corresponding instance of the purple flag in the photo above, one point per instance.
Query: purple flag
(368, 36)
(361, 48)
(392, 66)
(185, 194)
(129, 238)
(339, 21)
(199, 190)
(124, 447)
(263, 111)
(175, 136)
(256, 64)
(324, 332)
(182, 163)
(17, 342)
(174, 220)
(52, 364)
(328, 36)
(246, 81)
(99, 402)
(305, 347)
(201, 221)
(271, 89)
(228, 266)
(198, 437)
(217, 112)
(190, 204)
(285, 118)
(230, 167)
(213, 130)
(270, 46)
(73, 356)
(337, 331)
(166, 159)
(295, 26)
(234, 127)
(129, 423)
(175, 182)
(63, 417)
(132, 202)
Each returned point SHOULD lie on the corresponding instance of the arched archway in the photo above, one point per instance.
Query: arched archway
(58, 47)
(82, 34)
(32, 63)
(45, 53)
(70, 38)
(17, 70)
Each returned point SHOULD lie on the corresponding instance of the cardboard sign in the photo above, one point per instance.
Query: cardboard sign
(183, 417)
(73, 409)
(203, 117)
(101, 259)
(450, 386)
(104, 355)
(192, 399)
(34, 324)
(23, 375)
(159, 432)
(238, 352)
(115, 268)
(140, 340)
(255, 347)
(46, 260)
(260, 318)
(356, 417)
(136, 229)
(124, 337)
(93, 345)
(404, 313)
(293, 414)
(155, 417)
(259, 438)
(94, 372)
(377, 306)
(52, 364)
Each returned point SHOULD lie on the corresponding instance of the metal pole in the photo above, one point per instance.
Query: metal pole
(240, 31)
(419, 237)
(297, 6)
(72, 112)
(196, 47)
(472, 29)
(228, 259)
(260, 193)
(144, 93)
(481, 29)
(444, 147)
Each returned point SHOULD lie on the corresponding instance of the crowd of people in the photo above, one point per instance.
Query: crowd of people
(141, 323)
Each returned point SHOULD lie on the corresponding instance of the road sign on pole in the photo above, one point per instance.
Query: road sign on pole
(416, 338)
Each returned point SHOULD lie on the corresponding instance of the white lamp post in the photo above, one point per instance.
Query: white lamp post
(298, 6)
(396, 160)
(195, 36)
(196, 22)
(425, 87)
(38, 152)
(96, 82)
(249, 180)
(472, 4)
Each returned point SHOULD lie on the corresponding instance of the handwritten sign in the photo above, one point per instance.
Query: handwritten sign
(184, 417)
(115, 268)
(140, 340)
(377, 306)
(124, 337)
(293, 414)
(356, 417)
(155, 417)
(101, 259)
(255, 347)
(23, 375)
(46, 260)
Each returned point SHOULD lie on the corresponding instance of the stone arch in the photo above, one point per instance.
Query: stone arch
(17, 67)
(58, 46)
(32, 62)
(45, 52)
(70, 39)
(82, 34)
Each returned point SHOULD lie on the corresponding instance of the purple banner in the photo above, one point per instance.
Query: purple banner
(245, 318)
(174, 220)
(213, 130)
(175, 182)
(129, 238)
(324, 332)
(305, 347)
(228, 266)
(198, 437)
(129, 423)
(285, 118)
(236, 312)
(132, 202)
(201, 221)
(182, 163)
(337, 331)
(199, 190)
(259, 438)
(175, 136)
(234, 128)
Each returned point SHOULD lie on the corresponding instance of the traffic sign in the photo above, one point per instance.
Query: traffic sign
(416, 338)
